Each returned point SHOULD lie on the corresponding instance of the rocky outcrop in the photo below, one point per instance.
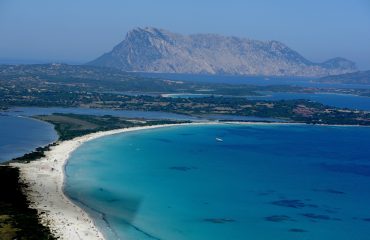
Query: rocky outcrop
(156, 50)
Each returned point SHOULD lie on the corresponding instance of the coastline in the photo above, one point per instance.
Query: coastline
(29, 131)
(45, 179)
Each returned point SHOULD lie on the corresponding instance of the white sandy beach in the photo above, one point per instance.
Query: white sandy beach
(45, 178)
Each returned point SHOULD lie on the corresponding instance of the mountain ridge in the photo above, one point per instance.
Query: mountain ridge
(157, 50)
(360, 77)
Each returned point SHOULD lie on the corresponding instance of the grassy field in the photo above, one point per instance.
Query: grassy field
(69, 126)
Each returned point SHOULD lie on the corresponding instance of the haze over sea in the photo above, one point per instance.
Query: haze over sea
(227, 182)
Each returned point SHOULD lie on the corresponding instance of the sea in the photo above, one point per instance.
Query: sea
(226, 181)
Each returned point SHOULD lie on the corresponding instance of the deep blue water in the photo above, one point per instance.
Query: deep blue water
(336, 100)
(20, 135)
(261, 182)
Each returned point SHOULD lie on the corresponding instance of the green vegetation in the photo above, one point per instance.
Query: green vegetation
(32, 156)
(17, 220)
(92, 87)
(66, 85)
(70, 126)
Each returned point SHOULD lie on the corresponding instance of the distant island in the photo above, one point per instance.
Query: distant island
(360, 77)
(158, 50)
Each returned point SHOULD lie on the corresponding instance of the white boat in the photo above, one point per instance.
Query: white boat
(219, 140)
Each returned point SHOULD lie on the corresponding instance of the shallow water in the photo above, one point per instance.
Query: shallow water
(260, 182)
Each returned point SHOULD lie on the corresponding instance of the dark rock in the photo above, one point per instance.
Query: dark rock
(297, 230)
(333, 191)
(316, 216)
(292, 203)
(182, 168)
(278, 218)
(219, 220)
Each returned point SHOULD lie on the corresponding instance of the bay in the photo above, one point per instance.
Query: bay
(227, 182)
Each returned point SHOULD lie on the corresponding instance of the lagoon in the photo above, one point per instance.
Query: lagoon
(20, 135)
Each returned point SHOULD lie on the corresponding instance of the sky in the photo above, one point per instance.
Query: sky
(77, 31)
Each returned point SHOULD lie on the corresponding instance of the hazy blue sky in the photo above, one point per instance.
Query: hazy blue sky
(79, 30)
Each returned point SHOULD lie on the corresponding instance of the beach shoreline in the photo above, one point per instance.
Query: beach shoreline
(45, 179)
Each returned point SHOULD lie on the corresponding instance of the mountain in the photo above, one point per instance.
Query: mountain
(157, 50)
(361, 77)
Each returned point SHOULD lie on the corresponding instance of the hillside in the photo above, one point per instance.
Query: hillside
(361, 77)
(157, 50)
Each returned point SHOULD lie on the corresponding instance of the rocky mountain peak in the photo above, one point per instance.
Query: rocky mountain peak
(340, 63)
(156, 50)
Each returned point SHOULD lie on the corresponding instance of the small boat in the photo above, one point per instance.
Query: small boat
(219, 140)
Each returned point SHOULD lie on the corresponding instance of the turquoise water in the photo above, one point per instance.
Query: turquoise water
(261, 182)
